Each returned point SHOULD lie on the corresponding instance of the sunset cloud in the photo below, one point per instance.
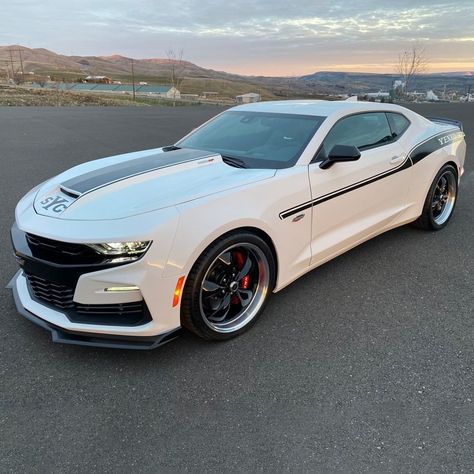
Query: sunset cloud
(264, 37)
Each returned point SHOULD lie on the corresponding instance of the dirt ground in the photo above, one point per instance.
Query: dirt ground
(19, 96)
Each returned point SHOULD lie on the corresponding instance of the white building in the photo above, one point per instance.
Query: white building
(377, 95)
(248, 98)
(398, 84)
(168, 92)
(430, 95)
(99, 79)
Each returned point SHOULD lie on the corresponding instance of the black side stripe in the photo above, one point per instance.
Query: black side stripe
(351, 187)
(418, 153)
(435, 143)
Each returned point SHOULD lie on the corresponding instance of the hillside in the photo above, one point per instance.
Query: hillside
(198, 79)
(153, 70)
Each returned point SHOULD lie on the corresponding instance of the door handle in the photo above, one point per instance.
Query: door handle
(397, 159)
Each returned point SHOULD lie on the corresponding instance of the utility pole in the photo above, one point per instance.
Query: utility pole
(133, 79)
(11, 61)
(21, 63)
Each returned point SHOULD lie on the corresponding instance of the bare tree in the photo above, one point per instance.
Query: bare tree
(411, 62)
(176, 68)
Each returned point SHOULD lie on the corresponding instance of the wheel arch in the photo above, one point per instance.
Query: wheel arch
(454, 165)
(252, 230)
(451, 162)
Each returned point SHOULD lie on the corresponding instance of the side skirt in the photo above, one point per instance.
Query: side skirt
(344, 250)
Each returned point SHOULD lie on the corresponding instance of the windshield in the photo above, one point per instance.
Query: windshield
(256, 139)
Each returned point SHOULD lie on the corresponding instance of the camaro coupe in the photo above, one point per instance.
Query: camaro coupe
(126, 250)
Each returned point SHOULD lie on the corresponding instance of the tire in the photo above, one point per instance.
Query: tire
(440, 201)
(228, 287)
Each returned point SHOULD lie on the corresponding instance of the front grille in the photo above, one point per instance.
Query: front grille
(62, 252)
(60, 297)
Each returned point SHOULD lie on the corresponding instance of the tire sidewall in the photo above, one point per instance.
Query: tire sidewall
(190, 306)
(429, 199)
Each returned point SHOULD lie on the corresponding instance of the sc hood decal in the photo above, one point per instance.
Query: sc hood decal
(99, 178)
(148, 182)
(56, 204)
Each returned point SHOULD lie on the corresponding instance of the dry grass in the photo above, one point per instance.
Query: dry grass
(19, 96)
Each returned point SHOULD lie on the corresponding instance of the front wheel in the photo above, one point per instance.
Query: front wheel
(228, 286)
(440, 201)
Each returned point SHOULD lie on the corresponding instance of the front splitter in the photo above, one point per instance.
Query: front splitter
(64, 336)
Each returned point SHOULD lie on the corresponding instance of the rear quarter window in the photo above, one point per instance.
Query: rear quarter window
(398, 123)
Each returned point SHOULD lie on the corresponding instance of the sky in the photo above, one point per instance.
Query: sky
(253, 37)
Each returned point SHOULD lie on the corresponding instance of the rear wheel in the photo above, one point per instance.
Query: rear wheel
(440, 201)
(228, 287)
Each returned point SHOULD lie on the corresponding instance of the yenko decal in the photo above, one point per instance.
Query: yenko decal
(452, 137)
(433, 144)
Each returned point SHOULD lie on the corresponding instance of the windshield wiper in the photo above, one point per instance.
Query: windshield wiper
(233, 161)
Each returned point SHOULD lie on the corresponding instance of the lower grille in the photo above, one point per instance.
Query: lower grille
(119, 309)
(57, 295)
(61, 297)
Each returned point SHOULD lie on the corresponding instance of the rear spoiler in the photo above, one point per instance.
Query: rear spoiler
(446, 121)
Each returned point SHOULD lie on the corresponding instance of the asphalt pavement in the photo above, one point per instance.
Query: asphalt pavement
(363, 365)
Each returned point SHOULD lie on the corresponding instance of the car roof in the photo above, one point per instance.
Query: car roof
(322, 108)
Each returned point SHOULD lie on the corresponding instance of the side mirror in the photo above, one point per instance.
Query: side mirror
(340, 153)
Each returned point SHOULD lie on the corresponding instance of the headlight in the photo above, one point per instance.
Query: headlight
(122, 250)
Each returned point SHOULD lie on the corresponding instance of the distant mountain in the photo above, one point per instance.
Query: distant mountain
(40, 60)
(456, 74)
(354, 82)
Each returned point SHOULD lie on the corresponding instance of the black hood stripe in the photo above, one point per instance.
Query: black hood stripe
(99, 178)
(418, 153)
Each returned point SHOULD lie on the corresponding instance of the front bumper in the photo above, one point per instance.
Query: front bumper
(76, 291)
(78, 337)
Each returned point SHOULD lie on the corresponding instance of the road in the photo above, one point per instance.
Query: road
(364, 365)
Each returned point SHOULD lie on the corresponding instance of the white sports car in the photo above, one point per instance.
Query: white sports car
(124, 251)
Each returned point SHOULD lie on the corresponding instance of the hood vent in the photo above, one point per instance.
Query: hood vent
(69, 192)
(171, 148)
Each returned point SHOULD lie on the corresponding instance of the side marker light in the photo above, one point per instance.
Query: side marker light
(177, 291)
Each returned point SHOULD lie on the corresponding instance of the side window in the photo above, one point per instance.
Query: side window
(362, 130)
(398, 123)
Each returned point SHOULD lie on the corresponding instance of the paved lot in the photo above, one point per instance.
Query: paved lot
(364, 365)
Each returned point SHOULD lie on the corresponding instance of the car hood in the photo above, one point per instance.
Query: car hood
(140, 182)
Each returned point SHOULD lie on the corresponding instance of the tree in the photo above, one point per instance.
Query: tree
(411, 62)
(176, 68)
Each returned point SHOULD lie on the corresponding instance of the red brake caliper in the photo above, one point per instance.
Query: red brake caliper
(239, 259)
